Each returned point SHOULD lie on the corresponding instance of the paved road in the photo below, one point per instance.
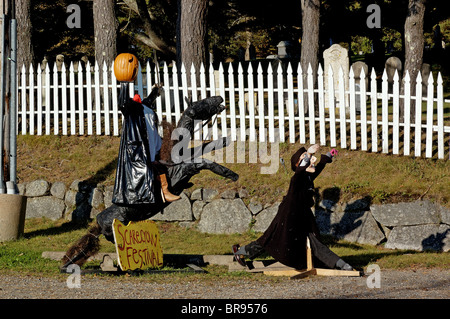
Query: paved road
(394, 284)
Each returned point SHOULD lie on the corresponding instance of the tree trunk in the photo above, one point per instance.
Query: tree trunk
(105, 31)
(191, 34)
(25, 53)
(414, 42)
(310, 40)
(5, 8)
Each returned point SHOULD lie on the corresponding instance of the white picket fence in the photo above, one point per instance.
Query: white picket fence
(263, 105)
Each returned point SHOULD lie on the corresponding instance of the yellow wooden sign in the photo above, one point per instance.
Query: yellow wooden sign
(138, 245)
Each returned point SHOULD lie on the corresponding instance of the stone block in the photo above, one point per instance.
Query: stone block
(358, 227)
(179, 210)
(420, 237)
(265, 217)
(209, 194)
(225, 216)
(197, 194)
(406, 214)
(37, 188)
(45, 206)
(58, 190)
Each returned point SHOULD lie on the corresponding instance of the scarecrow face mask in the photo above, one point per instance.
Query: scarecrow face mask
(305, 160)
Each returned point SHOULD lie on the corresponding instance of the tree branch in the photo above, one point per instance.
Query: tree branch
(150, 38)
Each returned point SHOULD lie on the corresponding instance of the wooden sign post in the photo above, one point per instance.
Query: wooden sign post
(138, 245)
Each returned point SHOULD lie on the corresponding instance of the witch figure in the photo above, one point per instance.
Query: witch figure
(147, 179)
(285, 238)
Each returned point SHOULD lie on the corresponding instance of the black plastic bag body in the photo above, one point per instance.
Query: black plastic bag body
(134, 174)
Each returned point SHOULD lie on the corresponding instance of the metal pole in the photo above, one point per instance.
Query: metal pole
(11, 186)
(2, 99)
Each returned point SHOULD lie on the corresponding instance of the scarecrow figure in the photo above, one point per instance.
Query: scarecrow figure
(147, 179)
(285, 238)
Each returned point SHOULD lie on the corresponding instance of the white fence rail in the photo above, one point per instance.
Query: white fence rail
(262, 104)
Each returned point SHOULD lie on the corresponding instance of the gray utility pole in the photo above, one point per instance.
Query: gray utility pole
(8, 99)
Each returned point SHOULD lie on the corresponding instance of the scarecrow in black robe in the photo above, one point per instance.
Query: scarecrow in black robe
(146, 171)
(285, 238)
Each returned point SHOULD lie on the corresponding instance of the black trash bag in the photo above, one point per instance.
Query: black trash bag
(134, 174)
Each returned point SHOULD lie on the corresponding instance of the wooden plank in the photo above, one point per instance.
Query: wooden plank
(440, 116)
(280, 88)
(429, 120)
(73, 102)
(352, 110)
(80, 100)
(336, 272)
(291, 104)
(107, 128)
(363, 109)
(23, 94)
(301, 105)
(47, 100)
(418, 121)
(294, 274)
(407, 120)
(223, 115)
(63, 99)
(331, 107)
(251, 103)
(374, 110)
(270, 104)
(396, 114)
(262, 127)
(98, 120)
(176, 90)
(342, 110)
(323, 136)
(311, 115)
(241, 102)
(384, 114)
(39, 100)
(232, 103)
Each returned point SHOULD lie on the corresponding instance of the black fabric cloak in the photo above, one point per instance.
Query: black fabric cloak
(285, 238)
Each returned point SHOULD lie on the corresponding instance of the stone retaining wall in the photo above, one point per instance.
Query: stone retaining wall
(419, 225)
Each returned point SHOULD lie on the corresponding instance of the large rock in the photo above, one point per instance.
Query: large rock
(36, 188)
(225, 217)
(420, 237)
(265, 217)
(406, 214)
(58, 190)
(45, 206)
(179, 210)
(354, 226)
(445, 215)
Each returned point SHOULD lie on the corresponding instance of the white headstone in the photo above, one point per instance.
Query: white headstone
(337, 57)
(393, 64)
(282, 49)
(357, 67)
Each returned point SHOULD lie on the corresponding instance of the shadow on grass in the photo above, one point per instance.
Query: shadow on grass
(57, 230)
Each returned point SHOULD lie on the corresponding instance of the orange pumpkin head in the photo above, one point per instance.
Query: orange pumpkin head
(126, 67)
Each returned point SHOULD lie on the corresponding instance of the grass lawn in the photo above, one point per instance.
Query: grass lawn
(353, 175)
(24, 255)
